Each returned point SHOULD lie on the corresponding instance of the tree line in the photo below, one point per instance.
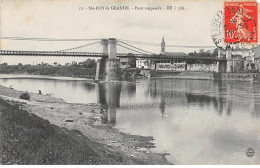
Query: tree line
(85, 69)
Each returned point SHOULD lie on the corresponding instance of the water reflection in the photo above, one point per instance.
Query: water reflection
(109, 99)
(163, 93)
(162, 105)
(193, 112)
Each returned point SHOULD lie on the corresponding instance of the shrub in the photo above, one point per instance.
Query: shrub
(25, 96)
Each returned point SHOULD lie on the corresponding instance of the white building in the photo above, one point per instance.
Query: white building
(143, 63)
(170, 65)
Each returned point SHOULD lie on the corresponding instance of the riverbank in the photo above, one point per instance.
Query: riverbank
(28, 139)
(72, 126)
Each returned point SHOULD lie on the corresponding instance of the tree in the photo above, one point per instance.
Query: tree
(201, 51)
(215, 52)
(191, 54)
(89, 63)
(132, 63)
(194, 53)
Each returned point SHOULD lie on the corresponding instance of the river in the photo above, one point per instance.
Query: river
(195, 121)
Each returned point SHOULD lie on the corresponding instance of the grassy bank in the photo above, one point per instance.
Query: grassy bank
(28, 139)
(70, 71)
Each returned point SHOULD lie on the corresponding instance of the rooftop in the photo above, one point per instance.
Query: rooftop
(173, 54)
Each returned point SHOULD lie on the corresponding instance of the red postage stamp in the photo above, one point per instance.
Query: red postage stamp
(241, 22)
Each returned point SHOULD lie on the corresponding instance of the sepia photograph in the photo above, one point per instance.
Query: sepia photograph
(129, 82)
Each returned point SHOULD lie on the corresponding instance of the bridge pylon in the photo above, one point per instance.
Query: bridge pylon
(221, 65)
(108, 68)
(101, 63)
(229, 60)
(112, 63)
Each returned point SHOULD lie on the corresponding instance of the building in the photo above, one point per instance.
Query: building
(143, 63)
(163, 64)
(256, 52)
(168, 64)
(172, 64)
(127, 62)
(240, 61)
(163, 46)
(244, 61)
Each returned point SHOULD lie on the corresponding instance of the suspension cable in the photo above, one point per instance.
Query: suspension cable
(85, 45)
(130, 49)
(136, 47)
(140, 43)
(43, 39)
(176, 46)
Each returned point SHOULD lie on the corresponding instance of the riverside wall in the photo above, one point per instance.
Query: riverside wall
(211, 76)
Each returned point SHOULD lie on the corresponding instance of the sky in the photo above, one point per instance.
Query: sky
(64, 19)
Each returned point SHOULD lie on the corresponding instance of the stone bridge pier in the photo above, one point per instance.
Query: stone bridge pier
(108, 69)
(221, 65)
(101, 63)
(229, 61)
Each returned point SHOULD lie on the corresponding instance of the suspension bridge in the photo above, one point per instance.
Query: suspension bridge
(97, 48)
(109, 51)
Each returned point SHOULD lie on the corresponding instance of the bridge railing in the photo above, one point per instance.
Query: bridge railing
(156, 57)
(93, 54)
(51, 53)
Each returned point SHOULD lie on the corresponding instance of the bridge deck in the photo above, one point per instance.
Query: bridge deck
(92, 54)
(184, 58)
(51, 54)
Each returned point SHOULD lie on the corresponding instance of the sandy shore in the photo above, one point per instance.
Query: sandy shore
(83, 118)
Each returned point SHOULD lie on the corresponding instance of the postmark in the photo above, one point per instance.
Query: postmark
(217, 33)
(240, 22)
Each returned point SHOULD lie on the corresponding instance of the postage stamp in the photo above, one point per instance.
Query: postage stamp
(240, 22)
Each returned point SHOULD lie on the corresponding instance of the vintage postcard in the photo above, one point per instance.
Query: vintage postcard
(129, 82)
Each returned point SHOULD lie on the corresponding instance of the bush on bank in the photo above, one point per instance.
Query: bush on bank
(25, 96)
